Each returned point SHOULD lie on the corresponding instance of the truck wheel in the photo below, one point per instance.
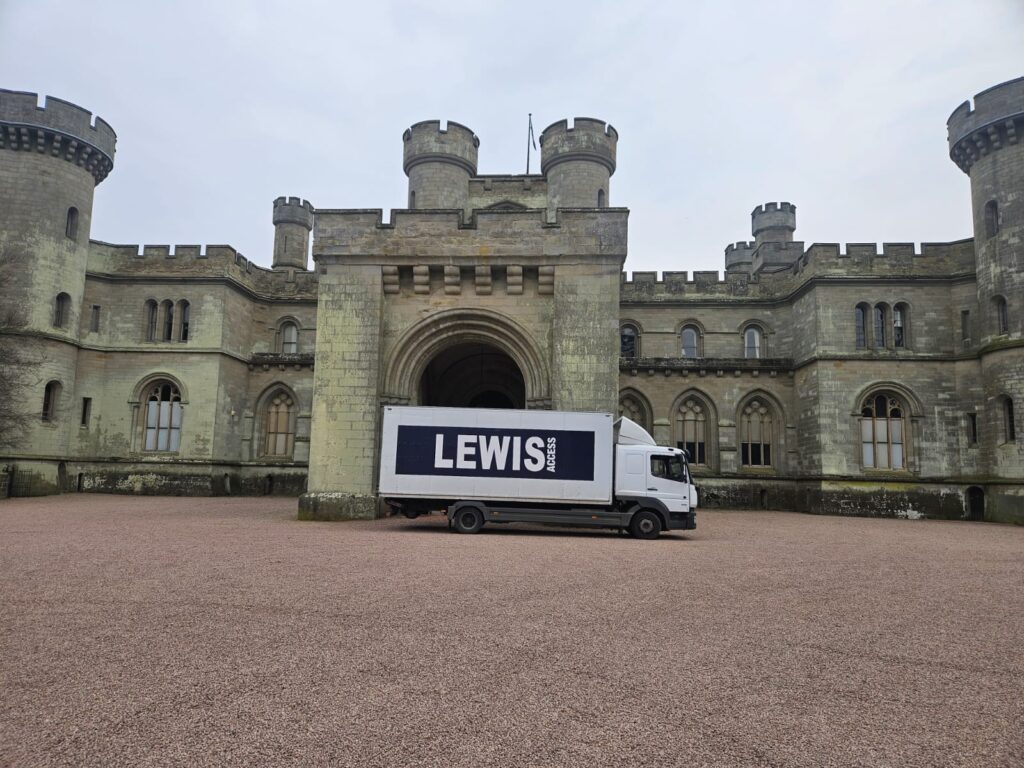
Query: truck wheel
(469, 520)
(645, 525)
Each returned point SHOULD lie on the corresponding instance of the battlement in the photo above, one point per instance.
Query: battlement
(586, 140)
(59, 128)
(293, 210)
(739, 255)
(996, 119)
(773, 208)
(428, 142)
(773, 222)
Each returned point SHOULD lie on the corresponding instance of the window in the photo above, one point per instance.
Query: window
(668, 467)
(628, 342)
(899, 326)
(882, 432)
(690, 338)
(86, 412)
(752, 343)
(879, 328)
(151, 321)
(756, 434)
(693, 429)
(600, 198)
(183, 312)
(280, 425)
(289, 338)
(94, 318)
(51, 394)
(1009, 424)
(972, 429)
(860, 317)
(163, 417)
(168, 328)
(632, 405)
(61, 310)
(412, 200)
(71, 227)
(965, 326)
(1002, 316)
(991, 218)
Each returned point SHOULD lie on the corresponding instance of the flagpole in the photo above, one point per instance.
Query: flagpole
(529, 136)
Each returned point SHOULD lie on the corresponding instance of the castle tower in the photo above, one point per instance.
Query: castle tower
(51, 159)
(439, 163)
(773, 223)
(987, 143)
(293, 220)
(578, 162)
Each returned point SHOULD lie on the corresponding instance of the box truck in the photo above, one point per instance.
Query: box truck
(507, 466)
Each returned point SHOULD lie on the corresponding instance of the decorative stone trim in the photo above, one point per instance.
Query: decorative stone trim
(27, 138)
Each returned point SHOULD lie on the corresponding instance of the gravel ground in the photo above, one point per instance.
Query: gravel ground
(215, 632)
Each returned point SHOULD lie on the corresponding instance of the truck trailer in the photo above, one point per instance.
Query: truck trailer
(517, 466)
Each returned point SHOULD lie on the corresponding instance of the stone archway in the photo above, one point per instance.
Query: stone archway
(482, 330)
(472, 375)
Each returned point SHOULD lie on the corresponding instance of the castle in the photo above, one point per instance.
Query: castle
(826, 378)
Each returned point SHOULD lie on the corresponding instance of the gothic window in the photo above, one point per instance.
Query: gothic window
(600, 198)
(279, 425)
(51, 394)
(752, 343)
(289, 335)
(756, 432)
(162, 427)
(1002, 316)
(71, 226)
(860, 317)
(899, 325)
(151, 312)
(61, 310)
(633, 407)
(167, 333)
(883, 432)
(184, 309)
(991, 218)
(693, 428)
(1009, 424)
(629, 342)
(690, 338)
(879, 326)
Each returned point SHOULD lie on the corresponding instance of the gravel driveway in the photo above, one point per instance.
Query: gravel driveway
(169, 631)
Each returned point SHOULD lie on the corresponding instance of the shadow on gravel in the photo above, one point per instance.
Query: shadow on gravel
(521, 529)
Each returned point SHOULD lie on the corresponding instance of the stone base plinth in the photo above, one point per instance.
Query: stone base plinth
(337, 506)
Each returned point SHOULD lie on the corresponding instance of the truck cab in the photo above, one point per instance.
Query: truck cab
(653, 476)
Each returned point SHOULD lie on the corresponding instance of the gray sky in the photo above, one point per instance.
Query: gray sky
(219, 107)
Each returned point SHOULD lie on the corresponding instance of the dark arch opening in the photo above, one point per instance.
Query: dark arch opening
(975, 503)
(473, 375)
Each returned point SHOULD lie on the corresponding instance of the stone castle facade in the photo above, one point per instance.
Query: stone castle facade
(854, 379)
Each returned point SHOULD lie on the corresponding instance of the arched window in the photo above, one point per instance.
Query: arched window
(900, 314)
(51, 394)
(690, 337)
(757, 428)
(1009, 423)
(279, 425)
(167, 333)
(600, 198)
(629, 342)
(882, 432)
(632, 405)
(693, 429)
(860, 318)
(184, 309)
(61, 310)
(163, 417)
(149, 330)
(289, 335)
(1002, 315)
(752, 343)
(71, 226)
(879, 326)
(991, 218)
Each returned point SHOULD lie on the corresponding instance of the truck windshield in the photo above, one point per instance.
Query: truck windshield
(668, 467)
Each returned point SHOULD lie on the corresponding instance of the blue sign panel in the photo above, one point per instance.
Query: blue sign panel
(490, 452)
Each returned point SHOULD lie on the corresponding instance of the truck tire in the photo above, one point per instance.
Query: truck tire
(645, 525)
(469, 520)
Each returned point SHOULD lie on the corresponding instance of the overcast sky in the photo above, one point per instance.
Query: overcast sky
(222, 106)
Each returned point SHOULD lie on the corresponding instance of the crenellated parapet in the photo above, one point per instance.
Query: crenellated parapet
(995, 120)
(773, 223)
(58, 128)
(439, 163)
(587, 139)
(293, 210)
(740, 256)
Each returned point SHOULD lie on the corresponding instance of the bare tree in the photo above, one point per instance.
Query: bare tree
(18, 355)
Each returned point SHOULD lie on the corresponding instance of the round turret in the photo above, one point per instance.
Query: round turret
(739, 257)
(578, 162)
(773, 223)
(293, 220)
(439, 163)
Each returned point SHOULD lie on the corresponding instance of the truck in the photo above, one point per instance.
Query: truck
(484, 466)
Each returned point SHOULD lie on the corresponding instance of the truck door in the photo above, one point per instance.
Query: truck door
(666, 479)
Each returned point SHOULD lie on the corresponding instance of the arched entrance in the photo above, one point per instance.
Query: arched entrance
(472, 375)
(975, 503)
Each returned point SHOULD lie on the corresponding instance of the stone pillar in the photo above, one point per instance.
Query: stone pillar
(346, 413)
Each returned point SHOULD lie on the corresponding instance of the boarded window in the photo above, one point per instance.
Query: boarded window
(280, 421)
(163, 417)
(289, 338)
(882, 429)
(690, 342)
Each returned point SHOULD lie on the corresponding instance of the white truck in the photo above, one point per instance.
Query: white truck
(512, 466)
